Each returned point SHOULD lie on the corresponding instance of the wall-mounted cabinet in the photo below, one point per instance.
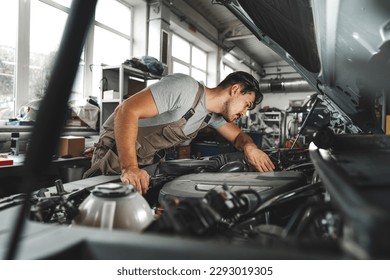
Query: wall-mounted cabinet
(118, 83)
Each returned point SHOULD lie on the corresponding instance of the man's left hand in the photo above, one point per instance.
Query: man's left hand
(258, 159)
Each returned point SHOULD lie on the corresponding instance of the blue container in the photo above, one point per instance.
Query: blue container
(203, 149)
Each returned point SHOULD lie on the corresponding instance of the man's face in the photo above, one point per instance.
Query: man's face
(238, 104)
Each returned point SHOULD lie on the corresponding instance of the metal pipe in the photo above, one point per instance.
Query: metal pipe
(285, 85)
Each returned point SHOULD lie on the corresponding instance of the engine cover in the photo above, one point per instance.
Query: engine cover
(267, 184)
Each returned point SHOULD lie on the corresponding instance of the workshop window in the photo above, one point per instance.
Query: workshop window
(7, 57)
(45, 37)
(114, 15)
(226, 70)
(181, 49)
(37, 26)
(199, 58)
(112, 37)
(180, 68)
(188, 59)
(199, 64)
(46, 27)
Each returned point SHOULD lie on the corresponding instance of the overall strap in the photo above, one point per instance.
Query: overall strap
(207, 118)
(198, 96)
(205, 121)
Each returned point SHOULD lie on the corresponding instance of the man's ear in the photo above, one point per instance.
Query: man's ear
(235, 89)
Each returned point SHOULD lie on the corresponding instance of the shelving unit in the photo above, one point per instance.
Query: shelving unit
(124, 81)
(273, 129)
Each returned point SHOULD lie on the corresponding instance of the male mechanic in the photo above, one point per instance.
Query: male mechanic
(170, 112)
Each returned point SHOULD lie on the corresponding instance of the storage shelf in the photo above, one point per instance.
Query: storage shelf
(133, 72)
(126, 81)
(271, 119)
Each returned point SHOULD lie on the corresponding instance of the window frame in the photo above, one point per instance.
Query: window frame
(189, 64)
(22, 51)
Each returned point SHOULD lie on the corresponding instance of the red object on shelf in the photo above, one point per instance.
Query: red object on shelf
(6, 161)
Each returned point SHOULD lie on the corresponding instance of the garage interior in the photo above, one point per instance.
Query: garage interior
(207, 40)
(206, 25)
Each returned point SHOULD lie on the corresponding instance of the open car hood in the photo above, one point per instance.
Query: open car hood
(342, 48)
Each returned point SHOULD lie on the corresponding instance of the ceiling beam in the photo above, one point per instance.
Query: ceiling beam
(239, 37)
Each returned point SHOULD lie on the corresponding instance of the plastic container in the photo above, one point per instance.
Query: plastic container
(70, 173)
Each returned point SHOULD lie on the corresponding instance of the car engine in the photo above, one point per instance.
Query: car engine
(216, 198)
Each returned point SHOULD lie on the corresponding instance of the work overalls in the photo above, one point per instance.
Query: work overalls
(150, 140)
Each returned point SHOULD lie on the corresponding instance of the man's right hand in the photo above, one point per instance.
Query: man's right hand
(139, 178)
(138, 106)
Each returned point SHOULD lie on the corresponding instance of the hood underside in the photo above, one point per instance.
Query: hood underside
(342, 48)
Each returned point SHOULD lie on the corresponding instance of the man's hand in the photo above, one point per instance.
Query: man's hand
(242, 142)
(139, 106)
(257, 158)
(139, 178)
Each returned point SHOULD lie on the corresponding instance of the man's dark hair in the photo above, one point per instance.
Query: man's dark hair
(248, 83)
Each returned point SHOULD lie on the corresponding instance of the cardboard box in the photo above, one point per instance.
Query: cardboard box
(110, 94)
(71, 146)
(75, 122)
(388, 124)
(184, 151)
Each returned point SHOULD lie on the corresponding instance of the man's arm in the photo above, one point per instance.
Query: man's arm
(127, 114)
(243, 142)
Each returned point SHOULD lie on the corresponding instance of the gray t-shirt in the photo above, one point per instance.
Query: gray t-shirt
(174, 96)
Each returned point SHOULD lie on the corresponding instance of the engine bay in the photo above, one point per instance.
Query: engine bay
(214, 198)
(318, 203)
